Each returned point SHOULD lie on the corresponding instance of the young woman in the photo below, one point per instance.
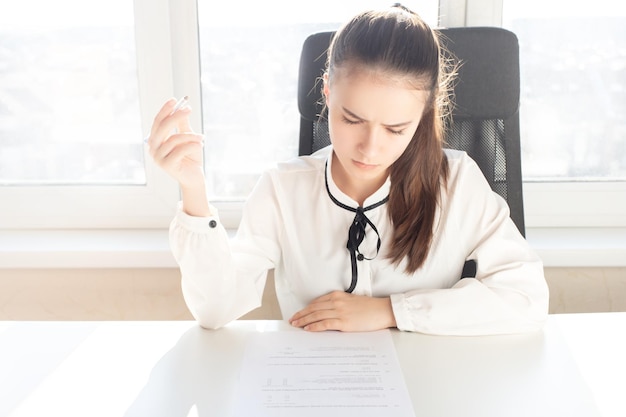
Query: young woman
(373, 231)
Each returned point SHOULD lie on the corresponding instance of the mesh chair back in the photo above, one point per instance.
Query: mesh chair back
(485, 117)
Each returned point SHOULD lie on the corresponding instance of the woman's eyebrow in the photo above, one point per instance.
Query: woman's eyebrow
(351, 114)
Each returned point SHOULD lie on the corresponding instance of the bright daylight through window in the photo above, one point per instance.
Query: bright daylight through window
(573, 104)
(249, 59)
(69, 107)
(70, 101)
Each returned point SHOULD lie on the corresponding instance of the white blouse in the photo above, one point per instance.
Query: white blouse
(291, 224)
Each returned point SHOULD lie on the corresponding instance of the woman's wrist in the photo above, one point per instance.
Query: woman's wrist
(391, 318)
(195, 201)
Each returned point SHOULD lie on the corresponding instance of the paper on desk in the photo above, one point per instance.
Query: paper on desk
(328, 374)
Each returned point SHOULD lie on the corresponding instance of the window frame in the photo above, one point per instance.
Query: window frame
(168, 65)
(162, 71)
(548, 204)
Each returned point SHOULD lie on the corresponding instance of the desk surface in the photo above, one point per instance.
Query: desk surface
(575, 367)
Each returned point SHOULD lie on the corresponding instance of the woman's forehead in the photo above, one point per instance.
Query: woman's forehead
(377, 75)
(372, 96)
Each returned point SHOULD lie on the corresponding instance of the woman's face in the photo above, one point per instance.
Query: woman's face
(372, 117)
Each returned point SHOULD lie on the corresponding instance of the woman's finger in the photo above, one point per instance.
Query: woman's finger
(165, 111)
(183, 123)
(167, 120)
(172, 162)
(346, 312)
(180, 153)
(175, 141)
(312, 312)
(169, 125)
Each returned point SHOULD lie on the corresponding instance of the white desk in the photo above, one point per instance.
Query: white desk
(575, 367)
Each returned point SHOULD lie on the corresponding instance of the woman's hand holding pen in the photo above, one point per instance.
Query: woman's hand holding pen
(177, 149)
(179, 153)
(345, 312)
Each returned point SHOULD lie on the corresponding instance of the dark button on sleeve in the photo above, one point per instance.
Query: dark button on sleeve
(212, 224)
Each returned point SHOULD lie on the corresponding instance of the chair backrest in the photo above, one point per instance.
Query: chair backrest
(485, 116)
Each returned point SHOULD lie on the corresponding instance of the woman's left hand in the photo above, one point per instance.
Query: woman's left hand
(345, 312)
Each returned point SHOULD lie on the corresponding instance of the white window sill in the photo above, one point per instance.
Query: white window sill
(558, 247)
(579, 247)
(141, 248)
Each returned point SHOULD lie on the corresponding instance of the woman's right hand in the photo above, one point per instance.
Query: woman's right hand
(176, 148)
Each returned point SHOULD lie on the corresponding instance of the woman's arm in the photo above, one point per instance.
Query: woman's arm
(509, 293)
(219, 284)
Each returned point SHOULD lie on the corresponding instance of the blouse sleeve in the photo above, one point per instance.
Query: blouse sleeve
(509, 293)
(222, 277)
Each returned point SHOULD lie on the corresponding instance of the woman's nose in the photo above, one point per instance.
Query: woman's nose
(369, 142)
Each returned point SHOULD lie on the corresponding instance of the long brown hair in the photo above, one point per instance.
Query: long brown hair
(399, 42)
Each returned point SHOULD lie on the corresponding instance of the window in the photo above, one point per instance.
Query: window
(69, 107)
(70, 129)
(573, 64)
(100, 86)
(71, 115)
(249, 60)
(572, 141)
(573, 61)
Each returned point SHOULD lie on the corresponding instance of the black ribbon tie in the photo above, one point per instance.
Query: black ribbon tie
(356, 233)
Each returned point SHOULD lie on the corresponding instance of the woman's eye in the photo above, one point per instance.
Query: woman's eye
(350, 122)
(396, 132)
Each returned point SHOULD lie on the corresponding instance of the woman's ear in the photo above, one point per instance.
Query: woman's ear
(325, 88)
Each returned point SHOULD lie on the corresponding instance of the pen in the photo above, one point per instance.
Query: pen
(180, 103)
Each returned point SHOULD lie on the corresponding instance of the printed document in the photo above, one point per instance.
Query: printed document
(298, 373)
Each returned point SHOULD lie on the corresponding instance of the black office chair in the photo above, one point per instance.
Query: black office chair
(485, 117)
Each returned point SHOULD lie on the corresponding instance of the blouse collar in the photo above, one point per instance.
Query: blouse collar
(377, 196)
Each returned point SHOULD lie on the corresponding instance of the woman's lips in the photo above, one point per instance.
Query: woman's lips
(362, 165)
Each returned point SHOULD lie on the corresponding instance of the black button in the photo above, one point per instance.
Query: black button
(212, 224)
(360, 257)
